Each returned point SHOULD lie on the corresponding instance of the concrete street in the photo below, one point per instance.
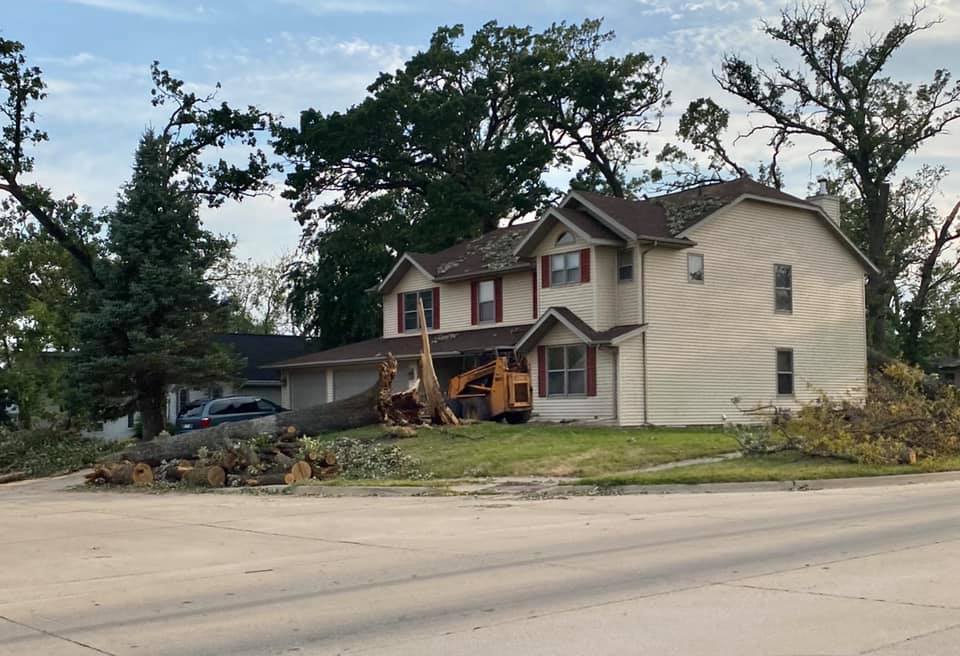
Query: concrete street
(857, 571)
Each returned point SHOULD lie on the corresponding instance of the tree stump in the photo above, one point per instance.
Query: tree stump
(142, 474)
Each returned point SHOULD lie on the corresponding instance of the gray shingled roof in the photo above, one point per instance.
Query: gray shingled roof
(489, 253)
(669, 215)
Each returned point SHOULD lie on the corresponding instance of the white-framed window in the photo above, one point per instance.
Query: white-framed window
(695, 268)
(410, 321)
(565, 268)
(566, 370)
(785, 372)
(625, 265)
(566, 238)
(783, 288)
(486, 301)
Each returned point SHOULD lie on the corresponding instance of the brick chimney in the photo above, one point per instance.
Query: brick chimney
(829, 203)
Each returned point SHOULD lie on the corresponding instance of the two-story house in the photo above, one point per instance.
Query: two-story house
(656, 311)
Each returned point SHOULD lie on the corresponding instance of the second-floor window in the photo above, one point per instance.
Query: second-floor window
(694, 267)
(486, 301)
(410, 321)
(783, 287)
(625, 265)
(565, 268)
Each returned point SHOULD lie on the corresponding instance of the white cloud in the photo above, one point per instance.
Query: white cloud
(142, 8)
(350, 6)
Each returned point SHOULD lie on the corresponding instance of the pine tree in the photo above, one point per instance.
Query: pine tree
(150, 324)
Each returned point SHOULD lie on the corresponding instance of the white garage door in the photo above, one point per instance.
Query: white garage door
(307, 387)
(347, 382)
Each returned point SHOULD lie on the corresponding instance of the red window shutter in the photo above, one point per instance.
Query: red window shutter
(542, 370)
(399, 313)
(533, 277)
(436, 308)
(544, 270)
(591, 371)
(585, 265)
(473, 302)
(498, 298)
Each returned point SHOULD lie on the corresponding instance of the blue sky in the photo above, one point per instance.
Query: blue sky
(287, 55)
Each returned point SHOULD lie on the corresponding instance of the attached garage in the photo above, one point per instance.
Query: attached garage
(348, 381)
(307, 387)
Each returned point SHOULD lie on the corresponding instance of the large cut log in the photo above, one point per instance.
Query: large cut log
(142, 474)
(365, 408)
(212, 476)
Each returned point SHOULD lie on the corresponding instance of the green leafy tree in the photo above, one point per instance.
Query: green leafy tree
(257, 295)
(449, 146)
(40, 288)
(842, 94)
(148, 305)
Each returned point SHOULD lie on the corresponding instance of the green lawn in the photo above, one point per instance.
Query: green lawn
(786, 466)
(491, 449)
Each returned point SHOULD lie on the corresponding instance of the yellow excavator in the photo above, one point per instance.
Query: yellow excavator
(499, 389)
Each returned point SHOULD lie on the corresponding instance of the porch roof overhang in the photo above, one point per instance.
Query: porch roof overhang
(442, 345)
(567, 318)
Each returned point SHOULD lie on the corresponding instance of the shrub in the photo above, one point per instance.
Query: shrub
(46, 451)
(371, 460)
(907, 416)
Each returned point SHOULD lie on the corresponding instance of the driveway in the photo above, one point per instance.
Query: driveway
(863, 571)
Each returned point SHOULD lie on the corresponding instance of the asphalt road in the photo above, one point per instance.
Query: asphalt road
(862, 571)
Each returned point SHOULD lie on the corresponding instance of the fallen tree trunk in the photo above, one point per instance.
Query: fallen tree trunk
(373, 406)
(12, 477)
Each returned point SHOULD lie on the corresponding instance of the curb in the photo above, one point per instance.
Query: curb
(800, 485)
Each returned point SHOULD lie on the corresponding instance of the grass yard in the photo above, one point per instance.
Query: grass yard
(491, 449)
(785, 466)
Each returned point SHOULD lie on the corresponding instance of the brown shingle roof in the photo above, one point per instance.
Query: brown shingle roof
(489, 253)
(441, 344)
(669, 215)
(586, 223)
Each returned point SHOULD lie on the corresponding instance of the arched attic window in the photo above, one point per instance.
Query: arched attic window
(565, 238)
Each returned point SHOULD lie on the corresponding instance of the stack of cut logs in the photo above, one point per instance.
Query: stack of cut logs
(241, 465)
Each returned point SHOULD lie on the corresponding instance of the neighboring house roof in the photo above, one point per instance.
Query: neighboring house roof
(566, 317)
(261, 350)
(487, 254)
(441, 345)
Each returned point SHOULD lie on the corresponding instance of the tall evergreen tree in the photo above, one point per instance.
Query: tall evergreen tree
(152, 320)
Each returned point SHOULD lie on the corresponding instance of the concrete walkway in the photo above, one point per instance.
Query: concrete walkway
(838, 572)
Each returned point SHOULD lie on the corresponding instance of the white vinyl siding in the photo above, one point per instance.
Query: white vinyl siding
(600, 407)
(578, 298)
(708, 343)
(630, 382)
(455, 301)
(606, 289)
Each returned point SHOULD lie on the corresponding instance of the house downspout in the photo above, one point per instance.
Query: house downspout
(643, 321)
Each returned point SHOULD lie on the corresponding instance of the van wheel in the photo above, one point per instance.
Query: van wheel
(521, 417)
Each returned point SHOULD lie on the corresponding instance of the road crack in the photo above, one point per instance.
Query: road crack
(57, 636)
